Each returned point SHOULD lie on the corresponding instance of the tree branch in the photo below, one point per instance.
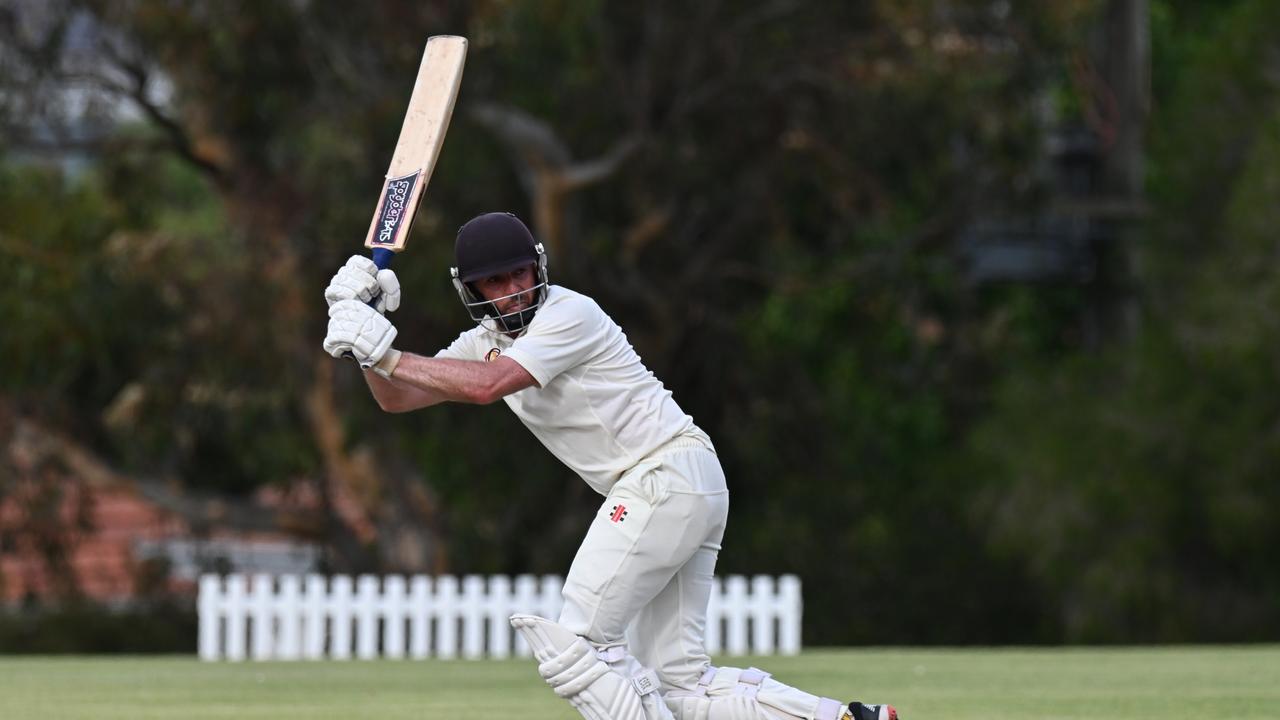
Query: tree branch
(179, 139)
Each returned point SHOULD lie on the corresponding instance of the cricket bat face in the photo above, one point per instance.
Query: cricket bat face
(421, 136)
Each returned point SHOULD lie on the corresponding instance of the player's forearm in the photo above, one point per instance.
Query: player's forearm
(437, 380)
(395, 395)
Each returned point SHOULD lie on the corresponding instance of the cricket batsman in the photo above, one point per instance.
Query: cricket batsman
(568, 372)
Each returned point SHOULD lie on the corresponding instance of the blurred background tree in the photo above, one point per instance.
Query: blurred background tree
(789, 206)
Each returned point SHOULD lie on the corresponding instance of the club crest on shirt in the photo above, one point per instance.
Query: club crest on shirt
(492, 354)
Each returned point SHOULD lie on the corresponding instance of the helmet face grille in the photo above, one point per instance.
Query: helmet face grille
(485, 312)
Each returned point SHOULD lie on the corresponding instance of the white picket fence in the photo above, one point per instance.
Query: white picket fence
(291, 617)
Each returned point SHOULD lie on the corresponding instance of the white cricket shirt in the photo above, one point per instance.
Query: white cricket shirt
(598, 410)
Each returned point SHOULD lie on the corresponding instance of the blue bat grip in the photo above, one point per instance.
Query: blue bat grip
(382, 257)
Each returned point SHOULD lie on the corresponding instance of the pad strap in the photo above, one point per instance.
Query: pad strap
(613, 653)
(828, 709)
(645, 681)
(705, 681)
(749, 682)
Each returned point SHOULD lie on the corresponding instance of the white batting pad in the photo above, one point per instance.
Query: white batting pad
(577, 672)
(729, 693)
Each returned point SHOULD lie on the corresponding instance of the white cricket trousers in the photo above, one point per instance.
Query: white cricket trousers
(643, 574)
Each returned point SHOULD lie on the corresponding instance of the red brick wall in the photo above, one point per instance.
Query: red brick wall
(101, 559)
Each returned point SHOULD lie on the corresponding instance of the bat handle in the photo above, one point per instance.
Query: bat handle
(382, 257)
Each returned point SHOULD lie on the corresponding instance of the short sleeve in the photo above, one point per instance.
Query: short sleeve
(561, 336)
(464, 347)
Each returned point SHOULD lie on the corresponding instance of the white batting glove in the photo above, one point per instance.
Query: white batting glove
(361, 280)
(356, 328)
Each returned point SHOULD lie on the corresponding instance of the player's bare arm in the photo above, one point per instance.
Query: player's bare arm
(418, 382)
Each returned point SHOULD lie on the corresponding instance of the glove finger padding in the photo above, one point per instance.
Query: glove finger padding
(354, 281)
(389, 298)
(360, 279)
(359, 329)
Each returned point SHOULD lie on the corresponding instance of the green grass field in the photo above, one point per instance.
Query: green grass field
(986, 684)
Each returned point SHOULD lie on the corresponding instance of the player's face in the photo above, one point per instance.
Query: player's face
(509, 290)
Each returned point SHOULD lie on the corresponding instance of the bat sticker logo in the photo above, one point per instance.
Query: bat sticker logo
(395, 205)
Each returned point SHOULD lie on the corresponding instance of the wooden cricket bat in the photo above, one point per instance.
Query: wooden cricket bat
(421, 136)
